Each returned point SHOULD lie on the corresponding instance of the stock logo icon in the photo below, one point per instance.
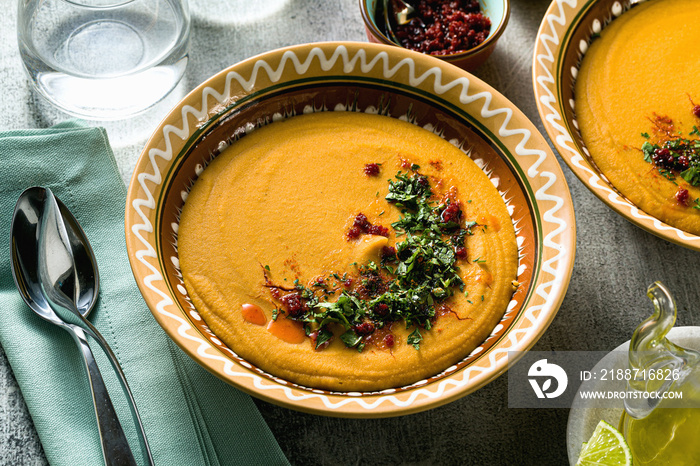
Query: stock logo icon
(541, 375)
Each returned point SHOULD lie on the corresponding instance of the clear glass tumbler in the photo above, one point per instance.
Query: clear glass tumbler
(104, 59)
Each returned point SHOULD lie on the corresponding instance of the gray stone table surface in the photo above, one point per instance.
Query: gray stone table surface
(615, 261)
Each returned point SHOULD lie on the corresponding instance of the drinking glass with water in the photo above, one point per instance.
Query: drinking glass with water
(104, 59)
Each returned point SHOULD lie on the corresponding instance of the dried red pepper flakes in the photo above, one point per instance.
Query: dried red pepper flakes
(444, 28)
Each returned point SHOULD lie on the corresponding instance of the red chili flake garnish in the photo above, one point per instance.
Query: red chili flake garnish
(683, 197)
(360, 221)
(378, 230)
(381, 338)
(461, 252)
(294, 304)
(365, 328)
(389, 340)
(696, 108)
(663, 157)
(381, 309)
(388, 253)
(683, 161)
(371, 169)
(353, 233)
(362, 225)
(451, 213)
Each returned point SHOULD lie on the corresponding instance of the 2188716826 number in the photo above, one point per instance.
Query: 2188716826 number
(639, 374)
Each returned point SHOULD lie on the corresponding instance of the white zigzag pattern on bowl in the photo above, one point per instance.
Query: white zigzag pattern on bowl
(564, 141)
(496, 357)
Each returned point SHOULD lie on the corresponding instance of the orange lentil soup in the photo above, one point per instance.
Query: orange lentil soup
(637, 103)
(290, 250)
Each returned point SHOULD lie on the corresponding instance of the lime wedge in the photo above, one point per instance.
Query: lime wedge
(606, 447)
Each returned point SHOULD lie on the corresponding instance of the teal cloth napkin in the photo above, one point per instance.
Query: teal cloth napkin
(190, 416)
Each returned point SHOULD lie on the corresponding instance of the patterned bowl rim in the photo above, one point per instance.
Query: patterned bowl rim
(550, 75)
(535, 166)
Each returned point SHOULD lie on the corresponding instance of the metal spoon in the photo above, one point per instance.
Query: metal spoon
(396, 12)
(47, 243)
(403, 10)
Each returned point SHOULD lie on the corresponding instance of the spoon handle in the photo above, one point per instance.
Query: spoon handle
(115, 447)
(94, 333)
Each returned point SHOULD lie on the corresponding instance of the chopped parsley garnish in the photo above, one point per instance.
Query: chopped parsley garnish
(415, 339)
(414, 276)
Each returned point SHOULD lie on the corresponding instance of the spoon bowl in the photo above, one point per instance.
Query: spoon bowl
(25, 256)
(68, 274)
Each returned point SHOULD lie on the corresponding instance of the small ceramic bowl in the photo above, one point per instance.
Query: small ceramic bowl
(353, 77)
(498, 11)
(565, 34)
